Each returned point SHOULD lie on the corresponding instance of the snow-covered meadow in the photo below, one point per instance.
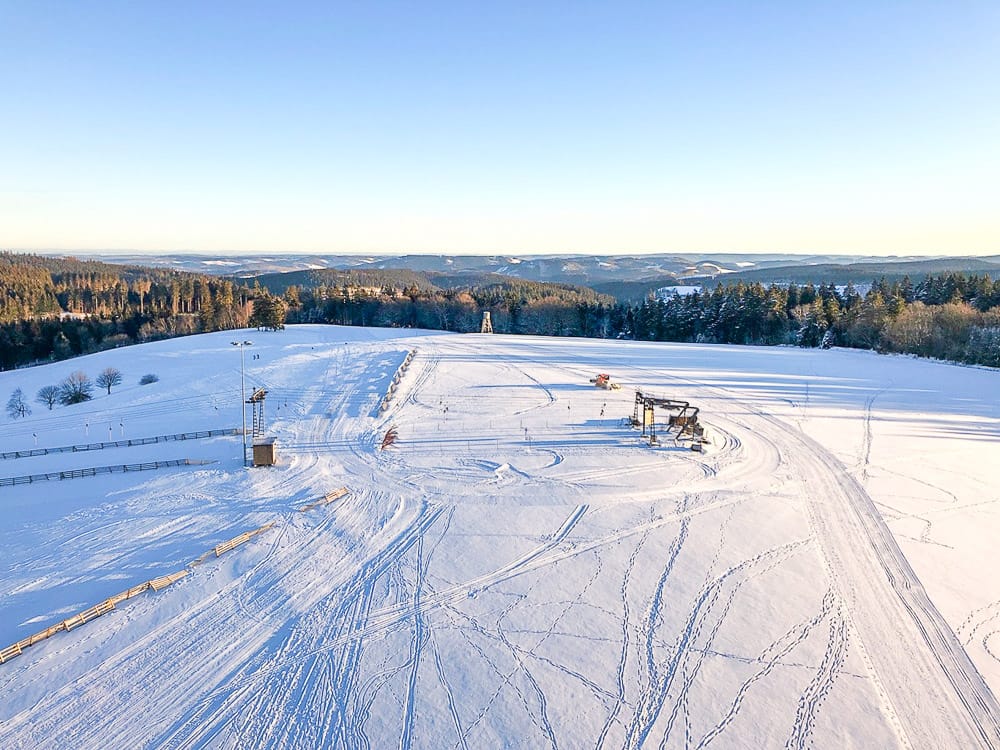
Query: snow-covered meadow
(520, 569)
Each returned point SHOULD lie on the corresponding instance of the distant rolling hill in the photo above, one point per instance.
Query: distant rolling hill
(626, 277)
(861, 272)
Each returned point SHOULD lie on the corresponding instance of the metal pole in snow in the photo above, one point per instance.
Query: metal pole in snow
(243, 393)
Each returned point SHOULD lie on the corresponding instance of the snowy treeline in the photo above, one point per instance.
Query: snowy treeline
(56, 308)
(949, 316)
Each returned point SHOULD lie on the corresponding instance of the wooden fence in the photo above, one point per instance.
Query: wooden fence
(391, 392)
(10, 455)
(156, 584)
(221, 549)
(329, 497)
(95, 470)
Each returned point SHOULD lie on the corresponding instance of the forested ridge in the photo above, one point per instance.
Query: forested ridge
(516, 305)
(54, 308)
(947, 316)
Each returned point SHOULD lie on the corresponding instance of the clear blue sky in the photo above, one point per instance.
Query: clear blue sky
(865, 127)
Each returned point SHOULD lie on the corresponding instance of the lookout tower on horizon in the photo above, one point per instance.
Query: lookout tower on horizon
(487, 326)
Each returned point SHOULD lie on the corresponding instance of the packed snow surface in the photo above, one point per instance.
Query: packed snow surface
(521, 568)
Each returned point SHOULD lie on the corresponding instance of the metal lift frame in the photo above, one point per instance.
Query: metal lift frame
(256, 401)
(685, 418)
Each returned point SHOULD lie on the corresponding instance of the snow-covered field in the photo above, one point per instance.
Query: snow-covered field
(519, 570)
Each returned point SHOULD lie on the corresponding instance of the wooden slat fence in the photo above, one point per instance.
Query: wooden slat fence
(391, 392)
(221, 549)
(156, 584)
(329, 497)
(129, 593)
(163, 581)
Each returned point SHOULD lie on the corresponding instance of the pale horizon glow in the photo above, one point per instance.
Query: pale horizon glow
(855, 129)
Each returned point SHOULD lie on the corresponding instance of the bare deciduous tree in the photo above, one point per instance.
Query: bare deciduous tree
(75, 389)
(108, 377)
(48, 395)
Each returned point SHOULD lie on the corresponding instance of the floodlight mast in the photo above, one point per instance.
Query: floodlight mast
(243, 394)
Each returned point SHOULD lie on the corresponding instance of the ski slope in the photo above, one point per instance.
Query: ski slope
(520, 569)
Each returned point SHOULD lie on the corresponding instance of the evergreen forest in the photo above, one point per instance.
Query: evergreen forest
(948, 316)
(56, 308)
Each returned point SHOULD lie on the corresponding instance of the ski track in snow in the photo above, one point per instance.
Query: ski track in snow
(518, 570)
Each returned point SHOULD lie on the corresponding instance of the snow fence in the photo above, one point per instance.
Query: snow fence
(384, 406)
(93, 471)
(156, 584)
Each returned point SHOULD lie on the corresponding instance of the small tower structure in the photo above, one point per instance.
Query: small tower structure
(487, 326)
(257, 403)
